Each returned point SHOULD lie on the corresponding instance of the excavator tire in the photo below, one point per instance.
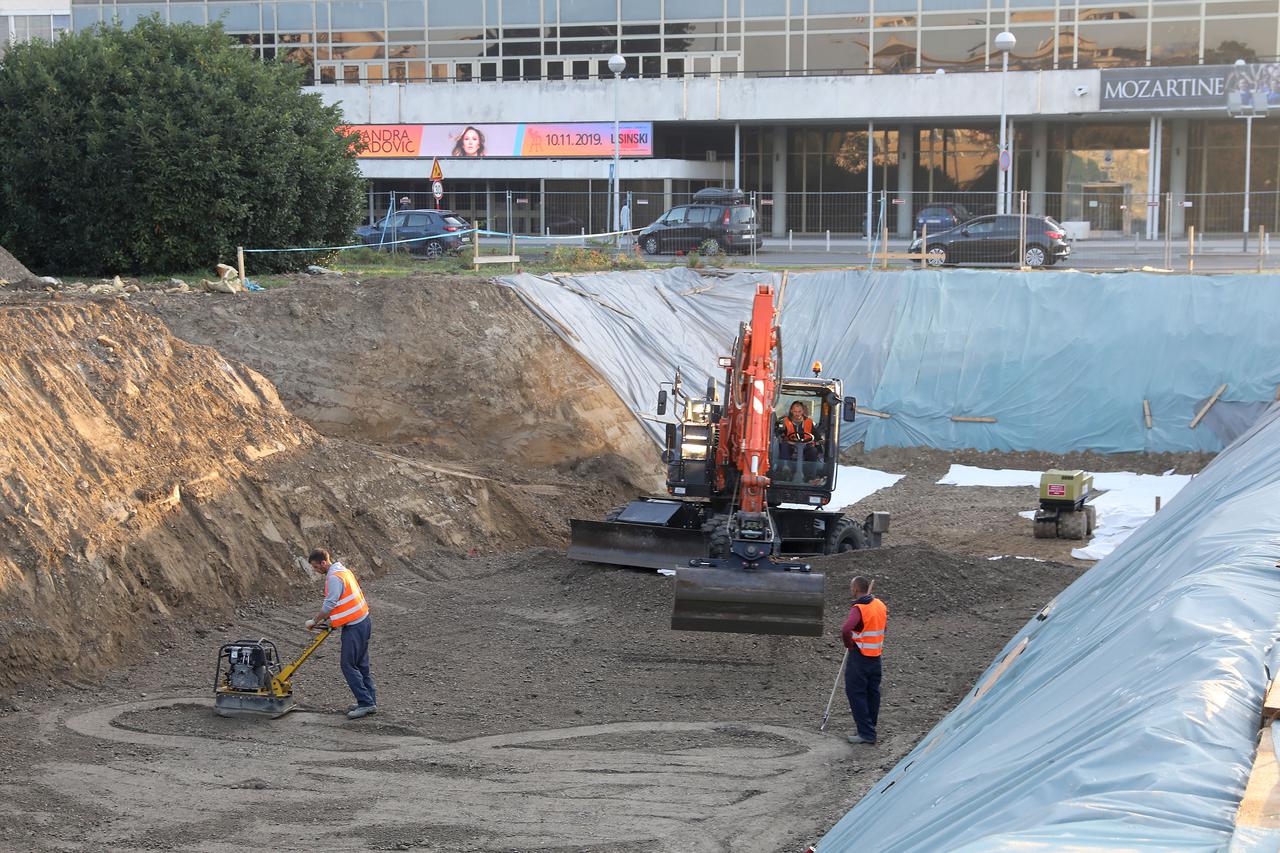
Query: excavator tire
(718, 528)
(844, 535)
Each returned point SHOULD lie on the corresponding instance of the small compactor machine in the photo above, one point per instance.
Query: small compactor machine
(1064, 511)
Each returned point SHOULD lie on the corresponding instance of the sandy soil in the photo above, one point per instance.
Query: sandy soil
(528, 703)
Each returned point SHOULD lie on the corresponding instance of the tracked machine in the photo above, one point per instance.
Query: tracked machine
(746, 494)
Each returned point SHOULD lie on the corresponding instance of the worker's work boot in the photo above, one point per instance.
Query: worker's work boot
(360, 711)
(852, 739)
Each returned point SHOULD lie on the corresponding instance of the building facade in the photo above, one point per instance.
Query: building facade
(818, 106)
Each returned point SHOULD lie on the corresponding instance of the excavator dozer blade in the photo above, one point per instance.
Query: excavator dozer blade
(748, 601)
(644, 545)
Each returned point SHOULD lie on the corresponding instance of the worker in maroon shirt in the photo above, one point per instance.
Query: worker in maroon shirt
(863, 636)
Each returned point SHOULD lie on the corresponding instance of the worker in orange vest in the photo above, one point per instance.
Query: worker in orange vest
(863, 636)
(345, 607)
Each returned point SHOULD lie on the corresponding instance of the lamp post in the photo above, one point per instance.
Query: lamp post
(1256, 107)
(616, 64)
(1004, 43)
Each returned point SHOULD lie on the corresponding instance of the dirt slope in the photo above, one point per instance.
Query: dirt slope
(11, 269)
(140, 473)
(458, 367)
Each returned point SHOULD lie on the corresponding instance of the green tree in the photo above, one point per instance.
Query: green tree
(161, 148)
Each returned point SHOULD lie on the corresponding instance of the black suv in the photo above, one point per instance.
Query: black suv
(994, 240)
(716, 221)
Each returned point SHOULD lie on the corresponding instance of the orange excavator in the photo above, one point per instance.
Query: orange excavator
(746, 494)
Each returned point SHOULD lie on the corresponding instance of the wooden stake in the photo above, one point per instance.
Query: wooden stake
(1207, 406)
(963, 420)
(1146, 413)
(1157, 503)
(240, 263)
(873, 413)
(1191, 250)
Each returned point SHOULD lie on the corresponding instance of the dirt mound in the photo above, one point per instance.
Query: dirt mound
(143, 474)
(458, 367)
(11, 269)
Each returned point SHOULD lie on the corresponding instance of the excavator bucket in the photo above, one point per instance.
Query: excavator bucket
(737, 600)
(643, 545)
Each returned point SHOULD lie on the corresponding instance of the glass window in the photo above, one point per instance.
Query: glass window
(61, 23)
(464, 50)
(405, 13)
(1035, 48)
(985, 225)
(837, 52)
(1097, 12)
(696, 9)
(1238, 7)
(1225, 41)
(700, 215)
(521, 12)
(1106, 45)
(86, 16)
(894, 51)
(854, 7)
(451, 13)
(294, 16)
(1175, 10)
(1175, 42)
(642, 10)
(235, 17)
(764, 53)
(675, 216)
(586, 10)
(349, 15)
(764, 8)
(359, 37)
(954, 48)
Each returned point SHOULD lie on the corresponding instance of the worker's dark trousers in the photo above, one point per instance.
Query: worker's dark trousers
(862, 686)
(355, 661)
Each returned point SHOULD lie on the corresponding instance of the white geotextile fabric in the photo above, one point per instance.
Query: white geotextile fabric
(1129, 501)
(853, 483)
(1129, 719)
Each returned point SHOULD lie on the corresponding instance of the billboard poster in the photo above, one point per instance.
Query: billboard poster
(582, 139)
(1194, 87)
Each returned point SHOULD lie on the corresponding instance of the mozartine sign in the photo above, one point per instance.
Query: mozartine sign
(1186, 88)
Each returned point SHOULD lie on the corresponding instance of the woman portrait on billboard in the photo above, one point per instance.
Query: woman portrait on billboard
(470, 143)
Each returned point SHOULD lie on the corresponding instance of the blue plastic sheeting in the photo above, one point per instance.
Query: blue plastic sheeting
(1061, 360)
(1130, 718)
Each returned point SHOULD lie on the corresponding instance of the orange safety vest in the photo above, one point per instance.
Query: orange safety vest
(351, 606)
(806, 429)
(870, 640)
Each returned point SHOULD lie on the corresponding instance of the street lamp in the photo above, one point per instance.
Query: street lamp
(616, 64)
(1255, 108)
(1005, 42)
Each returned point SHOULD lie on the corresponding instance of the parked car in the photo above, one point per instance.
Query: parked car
(995, 240)
(415, 224)
(721, 218)
(941, 217)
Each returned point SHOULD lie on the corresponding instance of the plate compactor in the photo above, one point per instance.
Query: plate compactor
(250, 680)
(1064, 511)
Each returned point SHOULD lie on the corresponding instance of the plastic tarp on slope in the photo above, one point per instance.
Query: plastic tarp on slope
(1061, 360)
(1130, 716)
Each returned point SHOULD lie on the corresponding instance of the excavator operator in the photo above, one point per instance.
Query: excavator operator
(799, 449)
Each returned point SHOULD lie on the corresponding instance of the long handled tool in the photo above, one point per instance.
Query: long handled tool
(826, 715)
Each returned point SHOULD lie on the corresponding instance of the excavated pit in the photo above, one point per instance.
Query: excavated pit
(160, 488)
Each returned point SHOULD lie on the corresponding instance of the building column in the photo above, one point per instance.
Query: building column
(1180, 133)
(779, 181)
(666, 194)
(871, 183)
(737, 155)
(906, 178)
(1039, 167)
(1153, 178)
